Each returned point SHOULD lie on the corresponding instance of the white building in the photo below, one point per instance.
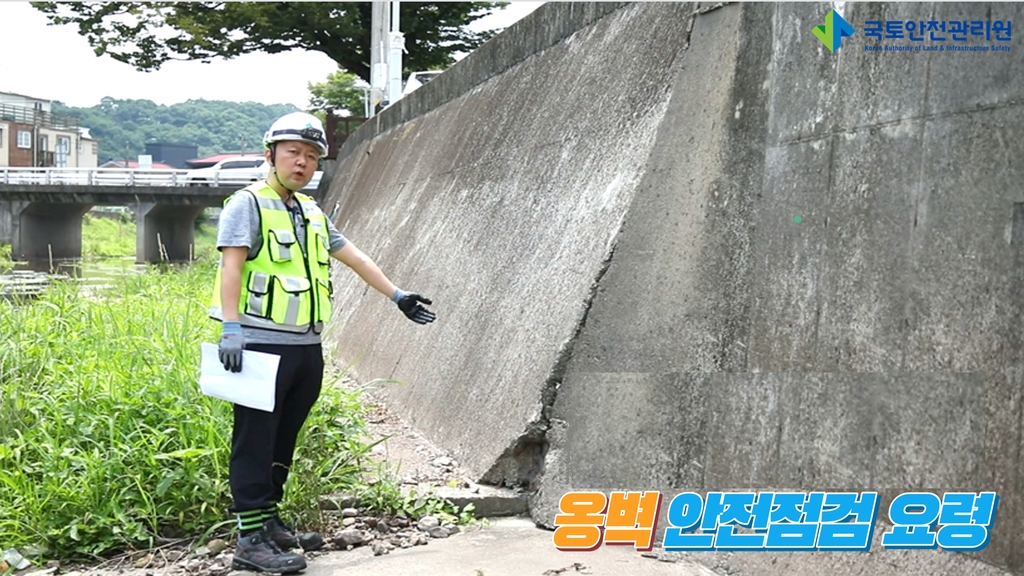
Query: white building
(31, 135)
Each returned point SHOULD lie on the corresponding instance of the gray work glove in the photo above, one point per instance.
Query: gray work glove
(231, 344)
(408, 303)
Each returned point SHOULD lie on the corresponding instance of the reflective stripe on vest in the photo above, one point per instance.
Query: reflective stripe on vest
(282, 288)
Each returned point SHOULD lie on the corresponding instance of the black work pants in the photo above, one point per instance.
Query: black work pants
(263, 443)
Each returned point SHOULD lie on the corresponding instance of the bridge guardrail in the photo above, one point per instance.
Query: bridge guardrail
(109, 177)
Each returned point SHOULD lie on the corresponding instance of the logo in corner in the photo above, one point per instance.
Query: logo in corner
(832, 33)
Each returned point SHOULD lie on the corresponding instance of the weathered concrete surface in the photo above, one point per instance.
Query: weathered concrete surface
(6, 222)
(501, 206)
(626, 299)
(46, 232)
(165, 232)
(506, 547)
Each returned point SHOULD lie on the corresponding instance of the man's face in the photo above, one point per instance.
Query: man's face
(295, 163)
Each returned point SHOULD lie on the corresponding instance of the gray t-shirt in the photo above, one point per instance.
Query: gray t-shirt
(239, 225)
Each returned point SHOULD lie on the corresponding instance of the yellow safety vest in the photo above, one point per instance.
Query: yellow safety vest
(282, 288)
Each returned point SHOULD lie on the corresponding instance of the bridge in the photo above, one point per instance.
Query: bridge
(41, 209)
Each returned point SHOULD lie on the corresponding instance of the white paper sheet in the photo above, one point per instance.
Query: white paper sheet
(254, 386)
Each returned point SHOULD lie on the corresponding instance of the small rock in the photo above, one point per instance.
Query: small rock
(442, 462)
(370, 521)
(420, 539)
(349, 513)
(350, 537)
(50, 564)
(173, 555)
(14, 558)
(650, 554)
(400, 522)
(144, 561)
(405, 544)
(453, 530)
(428, 522)
(202, 552)
(379, 549)
(216, 546)
(348, 522)
(383, 527)
(438, 532)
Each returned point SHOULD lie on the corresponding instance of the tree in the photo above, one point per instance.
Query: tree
(148, 34)
(212, 125)
(340, 91)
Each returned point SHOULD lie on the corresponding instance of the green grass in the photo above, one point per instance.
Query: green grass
(115, 238)
(5, 258)
(106, 441)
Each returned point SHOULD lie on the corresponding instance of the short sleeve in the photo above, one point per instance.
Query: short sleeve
(337, 240)
(239, 222)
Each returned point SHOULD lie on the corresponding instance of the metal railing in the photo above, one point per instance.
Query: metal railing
(117, 177)
(26, 115)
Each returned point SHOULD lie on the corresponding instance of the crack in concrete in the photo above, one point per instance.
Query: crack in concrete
(522, 463)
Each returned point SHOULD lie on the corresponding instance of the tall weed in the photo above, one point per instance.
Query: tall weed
(106, 442)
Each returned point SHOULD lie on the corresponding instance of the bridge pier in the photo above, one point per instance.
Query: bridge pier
(45, 231)
(165, 232)
(6, 223)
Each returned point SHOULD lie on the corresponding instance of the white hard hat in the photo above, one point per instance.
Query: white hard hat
(297, 126)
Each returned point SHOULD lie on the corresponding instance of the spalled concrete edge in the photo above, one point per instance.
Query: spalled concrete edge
(487, 501)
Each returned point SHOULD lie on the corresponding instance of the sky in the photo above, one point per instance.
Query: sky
(55, 63)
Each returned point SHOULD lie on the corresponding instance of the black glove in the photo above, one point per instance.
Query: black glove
(231, 344)
(408, 303)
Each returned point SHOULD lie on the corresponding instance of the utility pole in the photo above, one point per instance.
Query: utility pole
(386, 46)
(379, 27)
(396, 45)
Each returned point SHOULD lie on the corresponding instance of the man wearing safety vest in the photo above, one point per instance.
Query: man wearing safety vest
(273, 294)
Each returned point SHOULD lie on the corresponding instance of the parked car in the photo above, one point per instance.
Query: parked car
(231, 170)
(239, 170)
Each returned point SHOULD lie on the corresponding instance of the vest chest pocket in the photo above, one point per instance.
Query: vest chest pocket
(323, 252)
(258, 303)
(281, 244)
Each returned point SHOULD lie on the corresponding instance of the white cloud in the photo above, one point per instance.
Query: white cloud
(55, 63)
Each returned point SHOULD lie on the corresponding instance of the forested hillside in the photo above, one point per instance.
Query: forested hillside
(123, 127)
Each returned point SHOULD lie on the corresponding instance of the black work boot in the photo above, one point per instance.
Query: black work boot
(257, 552)
(286, 538)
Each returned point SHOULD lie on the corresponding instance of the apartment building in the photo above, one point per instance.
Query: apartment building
(32, 135)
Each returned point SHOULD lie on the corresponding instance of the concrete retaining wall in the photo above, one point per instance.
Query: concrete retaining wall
(627, 301)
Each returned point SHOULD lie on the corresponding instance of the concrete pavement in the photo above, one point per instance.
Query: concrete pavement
(505, 547)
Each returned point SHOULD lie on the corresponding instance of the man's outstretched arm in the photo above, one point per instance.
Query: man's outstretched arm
(367, 269)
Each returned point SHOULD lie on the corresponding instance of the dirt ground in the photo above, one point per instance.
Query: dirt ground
(415, 460)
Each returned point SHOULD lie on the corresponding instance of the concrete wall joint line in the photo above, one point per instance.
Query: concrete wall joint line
(896, 122)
